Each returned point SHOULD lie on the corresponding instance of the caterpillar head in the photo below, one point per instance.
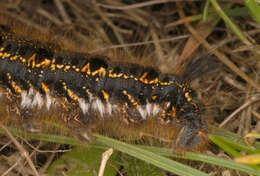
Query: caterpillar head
(191, 136)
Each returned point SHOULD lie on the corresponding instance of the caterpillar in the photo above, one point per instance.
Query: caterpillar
(95, 90)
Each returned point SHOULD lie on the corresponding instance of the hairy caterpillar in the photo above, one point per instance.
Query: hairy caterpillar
(96, 90)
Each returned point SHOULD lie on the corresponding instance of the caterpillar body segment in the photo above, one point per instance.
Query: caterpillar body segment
(43, 76)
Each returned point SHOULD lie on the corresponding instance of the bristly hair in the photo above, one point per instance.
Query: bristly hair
(92, 90)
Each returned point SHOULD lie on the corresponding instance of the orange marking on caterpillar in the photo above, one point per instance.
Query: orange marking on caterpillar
(155, 81)
(23, 60)
(13, 58)
(187, 96)
(86, 69)
(59, 66)
(45, 88)
(16, 87)
(31, 60)
(44, 63)
(173, 112)
(132, 100)
(143, 78)
(67, 67)
(101, 72)
(72, 95)
(5, 55)
(105, 95)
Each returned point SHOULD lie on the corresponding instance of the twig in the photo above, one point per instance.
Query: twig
(105, 156)
(172, 39)
(5, 145)
(157, 45)
(256, 114)
(252, 100)
(45, 151)
(137, 5)
(20, 148)
(62, 11)
(49, 16)
(11, 168)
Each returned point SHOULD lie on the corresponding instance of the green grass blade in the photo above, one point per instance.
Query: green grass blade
(224, 146)
(44, 137)
(149, 157)
(82, 161)
(224, 163)
(254, 9)
(236, 141)
(206, 11)
(205, 158)
(158, 150)
(229, 23)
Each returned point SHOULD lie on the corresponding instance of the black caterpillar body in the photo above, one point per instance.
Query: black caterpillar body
(42, 76)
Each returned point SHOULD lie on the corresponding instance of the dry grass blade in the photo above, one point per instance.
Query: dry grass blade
(220, 56)
(21, 149)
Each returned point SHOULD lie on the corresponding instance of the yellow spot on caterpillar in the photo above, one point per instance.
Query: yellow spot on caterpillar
(143, 78)
(2, 49)
(166, 83)
(45, 88)
(86, 68)
(187, 96)
(16, 87)
(173, 113)
(53, 66)
(114, 75)
(5, 55)
(59, 66)
(44, 63)
(88, 93)
(154, 97)
(31, 60)
(9, 76)
(155, 81)
(125, 76)
(13, 58)
(120, 75)
(67, 67)
(75, 68)
(105, 95)
(1, 54)
(100, 72)
(23, 60)
(72, 95)
(132, 100)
